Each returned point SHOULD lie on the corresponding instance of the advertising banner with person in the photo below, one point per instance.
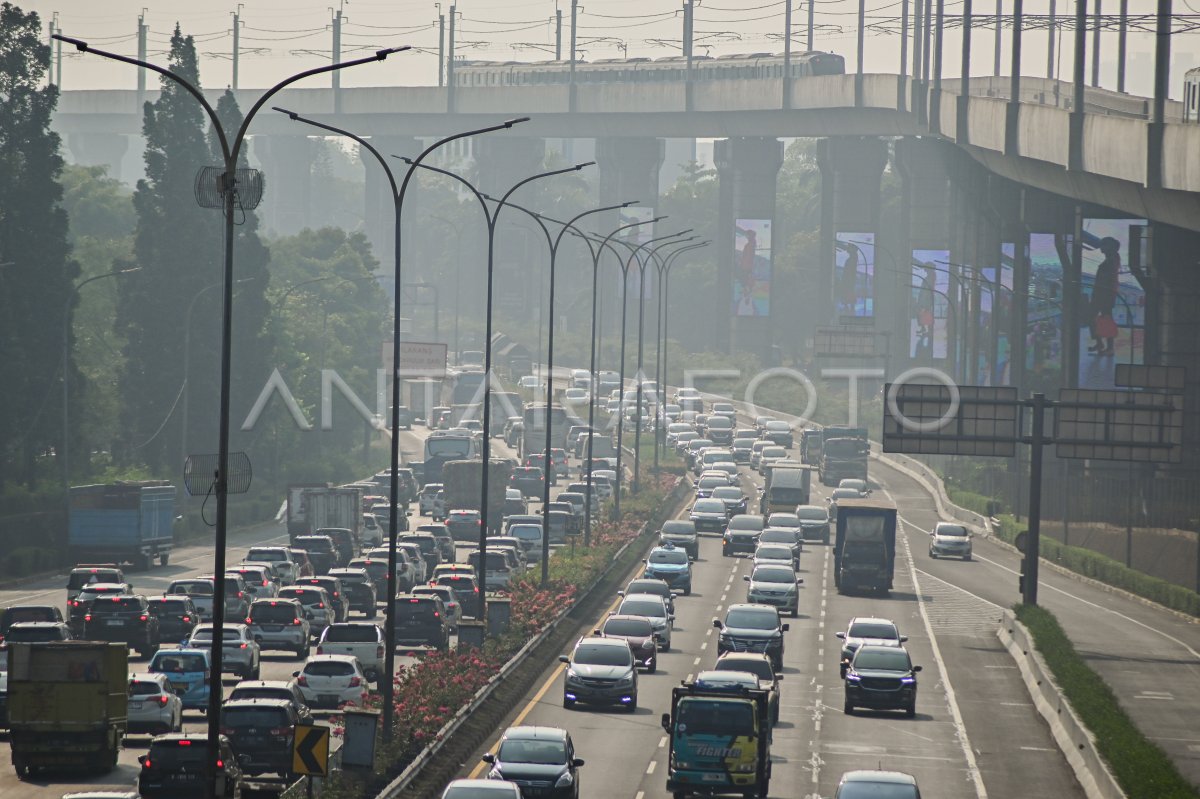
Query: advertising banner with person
(929, 304)
(854, 274)
(752, 267)
(1113, 317)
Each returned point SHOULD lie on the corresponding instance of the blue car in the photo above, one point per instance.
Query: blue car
(672, 565)
(188, 671)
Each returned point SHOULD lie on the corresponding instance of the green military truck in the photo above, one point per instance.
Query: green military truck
(67, 705)
(720, 742)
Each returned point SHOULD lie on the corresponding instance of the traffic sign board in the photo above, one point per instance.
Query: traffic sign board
(310, 751)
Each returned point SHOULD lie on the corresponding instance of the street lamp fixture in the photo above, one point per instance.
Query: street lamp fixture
(231, 154)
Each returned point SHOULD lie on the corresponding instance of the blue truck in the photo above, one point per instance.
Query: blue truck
(864, 551)
(131, 522)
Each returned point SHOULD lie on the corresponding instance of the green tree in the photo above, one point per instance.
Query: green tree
(37, 273)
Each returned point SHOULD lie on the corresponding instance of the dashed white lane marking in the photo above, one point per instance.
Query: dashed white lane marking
(662, 742)
(695, 662)
(689, 677)
(704, 646)
(650, 768)
(960, 728)
(640, 795)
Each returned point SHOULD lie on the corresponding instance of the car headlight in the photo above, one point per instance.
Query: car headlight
(564, 779)
(572, 674)
(625, 682)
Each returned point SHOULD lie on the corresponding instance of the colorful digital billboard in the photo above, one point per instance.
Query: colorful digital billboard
(929, 305)
(752, 267)
(1112, 318)
(854, 274)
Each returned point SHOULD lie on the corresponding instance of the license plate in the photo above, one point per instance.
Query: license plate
(181, 686)
(113, 622)
(328, 698)
(713, 778)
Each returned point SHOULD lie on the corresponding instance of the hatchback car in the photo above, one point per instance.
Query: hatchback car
(649, 585)
(466, 590)
(280, 623)
(330, 681)
(19, 613)
(681, 533)
(600, 671)
(638, 632)
(175, 768)
(463, 525)
(336, 591)
(287, 690)
(317, 604)
(950, 540)
(34, 632)
(259, 584)
(709, 516)
(261, 731)
(653, 608)
(752, 628)
(449, 600)
(876, 784)
(881, 678)
(279, 557)
(79, 606)
(775, 585)
(153, 705)
(541, 760)
(239, 651)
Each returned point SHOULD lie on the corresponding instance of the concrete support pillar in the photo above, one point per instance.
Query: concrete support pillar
(851, 260)
(628, 170)
(286, 163)
(747, 169)
(99, 149)
(379, 218)
(923, 270)
(1173, 332)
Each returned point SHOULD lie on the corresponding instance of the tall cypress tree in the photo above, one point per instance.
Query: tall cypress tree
(36, 272)
(169, 311)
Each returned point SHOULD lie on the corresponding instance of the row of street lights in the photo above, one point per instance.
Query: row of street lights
(229, 193)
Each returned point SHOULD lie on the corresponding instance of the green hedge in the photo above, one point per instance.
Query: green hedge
(1108, 571)
(1140, 766)
(977, 503)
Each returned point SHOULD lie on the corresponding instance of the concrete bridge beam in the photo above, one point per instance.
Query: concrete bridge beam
(99, 149)
(287, 163)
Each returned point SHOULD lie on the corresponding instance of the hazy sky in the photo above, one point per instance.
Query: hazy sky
(280, 37)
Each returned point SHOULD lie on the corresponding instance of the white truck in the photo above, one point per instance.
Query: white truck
(360, 639)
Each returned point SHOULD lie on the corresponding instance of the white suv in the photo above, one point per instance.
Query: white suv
(332, 680)
(154, 706)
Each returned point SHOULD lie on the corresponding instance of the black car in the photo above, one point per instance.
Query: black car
(123, 618)
(177, 616)
(463, 525)
(466, 591)
(261, 732)
(346, 545)
(421, 621)
(752, 628)
(359, 587)
(681, 533)
(882, 678)
(377, 569)
(814, 523)
(430, 551)
(709, 516)
(174, 768)
(539, 759)
(741, 534)
(81, 603)
(18, 613)
(735, 500)
(321, 551)
(82, 576)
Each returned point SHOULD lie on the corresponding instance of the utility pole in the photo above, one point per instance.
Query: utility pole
(558, 34)
(901, 98)
(1122, 33)
(1050, 74)
(574, 42)
(337, 58)
(441, 46)
(999, 39)
(56, 69)
(450, 63)
(688, 7)
(1096, 21)
(141, 46)
(237, 30)
(787, 57)
(812, 11)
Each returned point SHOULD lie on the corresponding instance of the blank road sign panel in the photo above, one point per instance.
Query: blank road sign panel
(935, 420)
(1119, 425)
(845, 342)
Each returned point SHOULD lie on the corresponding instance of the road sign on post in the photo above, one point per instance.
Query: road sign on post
(310, 751)
(845, 342)
(944, 419)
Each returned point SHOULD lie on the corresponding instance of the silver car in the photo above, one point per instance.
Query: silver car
(950, 540)
(655, 609)
(317, 604)
(239, 651)
(280, 623)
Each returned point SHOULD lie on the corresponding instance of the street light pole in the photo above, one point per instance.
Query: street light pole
(66, 367)
(398, 193)
(660, 372)
(231, 154)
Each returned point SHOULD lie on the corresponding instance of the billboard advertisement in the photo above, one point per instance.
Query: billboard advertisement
(635, 237)
(929, 305)
(1044, 314)
(1113, 313)
(752, 267)
(854, 274)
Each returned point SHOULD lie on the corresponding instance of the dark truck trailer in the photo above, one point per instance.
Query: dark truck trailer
(720, 741)
(844, 454)
(122, 523)
(864, 553)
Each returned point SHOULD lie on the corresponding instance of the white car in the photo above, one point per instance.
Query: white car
(362, 640)
(154, 707)
(330, 681)
(279, 557)
(950, 540)
(372, 533)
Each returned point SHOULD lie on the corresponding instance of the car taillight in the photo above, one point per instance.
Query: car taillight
(281, 731)
(224, 731)
(379, 652)
(240, 595)
(302, 680)
(163, 699)
(320, 604)
(241, 646)
(147, 763)
(143, 617)
(88, 617)
(264, 582)
(249, 620)
(186, 618)
(355, 682)
(296, 622)
(220, 764)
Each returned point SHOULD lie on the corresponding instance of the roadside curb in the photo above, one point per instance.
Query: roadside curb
(1077, 743)
(396, 788)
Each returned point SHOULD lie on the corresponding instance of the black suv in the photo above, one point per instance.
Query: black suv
(83, 576)
(882, 678)
(466, 591)
(421, 621)
(173, 768)
(123, 618)
(346, 544)
(321, 552)
(261, 731)
(430, 550)
(177, 616)
(18, 613)
(752, 628)
(79, 606)
(359, 587)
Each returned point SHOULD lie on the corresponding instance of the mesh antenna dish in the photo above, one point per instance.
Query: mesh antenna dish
(210, 184)
(200, 474)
